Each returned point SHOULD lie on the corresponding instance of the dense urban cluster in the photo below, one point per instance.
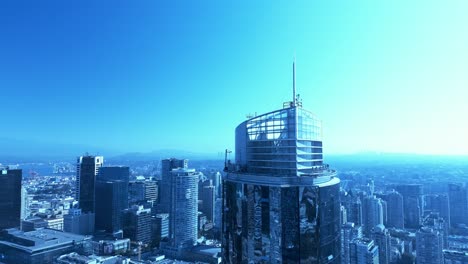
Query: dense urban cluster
(107, 214)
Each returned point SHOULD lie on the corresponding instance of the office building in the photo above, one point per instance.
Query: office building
(143, 192)
(395, 210)
(458, 204)
(10, 198)
(137, 224)
(353, 206)
(281, 202)
(382, 239)
(87, 169)
(372, 213)
(184, 208)
(363, 251)
(116, 174)
(167, 165)
(349, 232)
(207, 194)
(160, 227)
(412, 204)
(429, 246)
(24, 203)
(77, 222)
(111, 200)
(438, 203)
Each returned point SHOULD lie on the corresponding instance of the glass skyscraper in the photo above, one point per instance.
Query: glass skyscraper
(281, 202)
(10, 198)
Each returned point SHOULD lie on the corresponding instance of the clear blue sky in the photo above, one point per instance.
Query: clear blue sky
(385, 76)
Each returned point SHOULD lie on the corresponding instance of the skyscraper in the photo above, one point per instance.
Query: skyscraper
(10, 198)
(183, 216)
(458, 198)
(167, 165)
(382, 238)
(438, 203)
(86, 170)
(136, 222)
(372, 213)
(111, 197)
(116, 173)
(111, 200)
(412, 204)
(429, 246)
(281, 203)
(349, 232)
(395, 212)
(363, 251)
(207, 193)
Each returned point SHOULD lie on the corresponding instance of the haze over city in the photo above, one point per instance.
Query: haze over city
(142, 76)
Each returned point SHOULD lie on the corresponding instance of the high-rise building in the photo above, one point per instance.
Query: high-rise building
(382, 239)
(183, 216)
(207, 194)
(349, 232)
(136, 222)
(10, 198)
(412, 204)
(438, 203)
(435, 222)
(87, 169)
(24, 203)
(395, 211)
(363, 251)
(167, 165)
(111, 200)
(281, 203)
(116, 173)
(372, 213)
(458, 204)
(429, 246)
(353, 206)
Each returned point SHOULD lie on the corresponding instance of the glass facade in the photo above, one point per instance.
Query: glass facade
(281, 203)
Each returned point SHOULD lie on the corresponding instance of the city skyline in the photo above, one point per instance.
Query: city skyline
(385, 77)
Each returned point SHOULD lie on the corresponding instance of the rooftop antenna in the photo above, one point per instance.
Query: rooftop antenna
(294, 81)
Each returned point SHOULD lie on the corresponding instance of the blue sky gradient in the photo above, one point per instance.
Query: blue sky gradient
(384, 76)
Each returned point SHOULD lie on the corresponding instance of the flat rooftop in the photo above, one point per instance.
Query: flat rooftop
(41, 239)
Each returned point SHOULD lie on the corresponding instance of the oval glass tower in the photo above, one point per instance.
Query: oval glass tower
(280, 202)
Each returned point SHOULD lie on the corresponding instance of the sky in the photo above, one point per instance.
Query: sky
(385, 76)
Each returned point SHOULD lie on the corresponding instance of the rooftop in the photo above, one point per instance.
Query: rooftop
(39, 239)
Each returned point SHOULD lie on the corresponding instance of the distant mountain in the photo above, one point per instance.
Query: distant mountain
(164, 154)
(13, 150)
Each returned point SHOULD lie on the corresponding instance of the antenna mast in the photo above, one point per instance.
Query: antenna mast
(294, 81)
